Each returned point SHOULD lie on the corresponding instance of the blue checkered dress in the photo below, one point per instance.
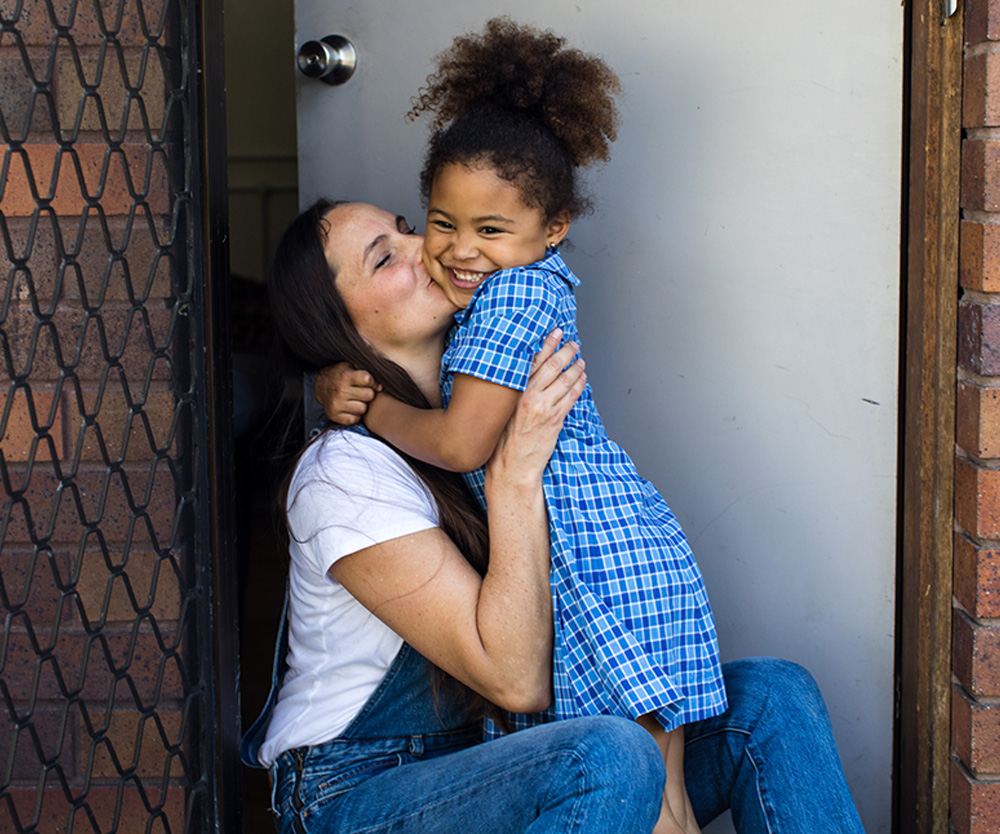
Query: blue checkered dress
(633, 628)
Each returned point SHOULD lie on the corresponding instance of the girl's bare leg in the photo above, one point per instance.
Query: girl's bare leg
(676, 814)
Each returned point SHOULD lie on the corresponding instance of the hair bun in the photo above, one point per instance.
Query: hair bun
(515, 66)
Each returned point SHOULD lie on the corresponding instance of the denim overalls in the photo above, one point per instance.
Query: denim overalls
(401, 722)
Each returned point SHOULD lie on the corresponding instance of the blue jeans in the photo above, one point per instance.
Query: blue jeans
(770, 757)
(599, 775)
(410, 763)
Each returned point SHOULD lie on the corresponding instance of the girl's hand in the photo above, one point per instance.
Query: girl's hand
(344, 392)
(530, 436)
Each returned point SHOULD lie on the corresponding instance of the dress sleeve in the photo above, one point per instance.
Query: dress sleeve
(352, 494)
(506, 327)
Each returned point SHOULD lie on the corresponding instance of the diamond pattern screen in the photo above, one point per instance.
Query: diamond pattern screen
(105, 651)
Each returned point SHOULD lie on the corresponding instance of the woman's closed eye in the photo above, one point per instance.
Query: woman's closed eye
(385, 257)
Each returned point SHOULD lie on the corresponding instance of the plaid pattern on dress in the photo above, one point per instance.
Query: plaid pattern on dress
(634, 632)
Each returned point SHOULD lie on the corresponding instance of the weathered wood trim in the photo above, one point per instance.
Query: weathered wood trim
(927, 445)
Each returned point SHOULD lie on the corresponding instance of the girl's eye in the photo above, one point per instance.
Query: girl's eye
(490, 230)
(382, 261)
(444, 225)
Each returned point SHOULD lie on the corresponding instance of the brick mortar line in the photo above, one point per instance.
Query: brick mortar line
(987, 700)
(992, 622)
(980, 297)
(87, 468)
(991, 701)
(134, 137)
(986, 778)
(987, 464)
(973, 50)
(978, 380)
(981, 134)
(977, 541)
(979, 216)
(149, 782)
(166, 705)
(985, 622)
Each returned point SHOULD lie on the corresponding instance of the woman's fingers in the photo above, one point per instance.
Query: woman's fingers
(548, 366)
(569, 386)
(548, 348)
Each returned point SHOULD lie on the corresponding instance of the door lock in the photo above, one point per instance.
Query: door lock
(331, 60)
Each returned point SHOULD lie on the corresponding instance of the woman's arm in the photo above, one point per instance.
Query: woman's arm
(492, 633)
(459, 438)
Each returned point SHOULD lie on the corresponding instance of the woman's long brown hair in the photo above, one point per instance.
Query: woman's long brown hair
(316, 329)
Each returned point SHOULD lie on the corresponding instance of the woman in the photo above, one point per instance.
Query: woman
(360, 737)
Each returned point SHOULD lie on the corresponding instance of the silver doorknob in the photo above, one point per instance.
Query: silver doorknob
(332, 59)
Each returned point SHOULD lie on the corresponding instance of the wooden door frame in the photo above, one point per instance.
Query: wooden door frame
(931, 216)
(928, 329)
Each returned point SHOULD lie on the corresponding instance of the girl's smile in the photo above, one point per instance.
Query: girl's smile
(478, 224)
(468, 279)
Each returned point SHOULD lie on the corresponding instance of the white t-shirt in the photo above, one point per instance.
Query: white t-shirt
(348, 493)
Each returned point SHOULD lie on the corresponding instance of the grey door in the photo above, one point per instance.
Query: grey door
(740, 296)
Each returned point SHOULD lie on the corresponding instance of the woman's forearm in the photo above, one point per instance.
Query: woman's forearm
(514, 614)
(515, 603)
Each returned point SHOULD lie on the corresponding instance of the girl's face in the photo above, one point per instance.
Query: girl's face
(477, 224)
(381, 277)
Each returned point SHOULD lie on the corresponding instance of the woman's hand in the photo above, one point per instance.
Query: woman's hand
(530, 436)
(344, 392)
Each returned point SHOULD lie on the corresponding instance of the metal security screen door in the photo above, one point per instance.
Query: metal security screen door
(106, 687)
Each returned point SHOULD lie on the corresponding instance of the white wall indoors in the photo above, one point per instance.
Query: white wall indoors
(740, 296)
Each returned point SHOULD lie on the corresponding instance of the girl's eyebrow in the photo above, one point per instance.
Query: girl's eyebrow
(493, 218)
(486, 218)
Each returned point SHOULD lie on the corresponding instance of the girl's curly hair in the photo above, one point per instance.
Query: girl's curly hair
(518, 100)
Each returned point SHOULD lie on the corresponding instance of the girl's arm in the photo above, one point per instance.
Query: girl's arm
(460, 437)
(492, 633)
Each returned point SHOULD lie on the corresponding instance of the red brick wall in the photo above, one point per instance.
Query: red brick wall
(93, 570)
(975, 706)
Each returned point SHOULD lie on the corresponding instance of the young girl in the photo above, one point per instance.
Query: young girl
(516, 115)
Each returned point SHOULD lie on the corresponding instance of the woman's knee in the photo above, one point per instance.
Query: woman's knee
(621, 755)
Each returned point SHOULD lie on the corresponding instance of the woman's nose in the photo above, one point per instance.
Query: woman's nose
(416, 244)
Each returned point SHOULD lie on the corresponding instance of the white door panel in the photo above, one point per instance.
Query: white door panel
(740, 294)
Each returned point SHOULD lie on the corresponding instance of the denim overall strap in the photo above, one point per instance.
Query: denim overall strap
(254, 737)
(403, 704)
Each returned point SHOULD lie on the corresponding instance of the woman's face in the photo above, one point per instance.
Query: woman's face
(392, 300)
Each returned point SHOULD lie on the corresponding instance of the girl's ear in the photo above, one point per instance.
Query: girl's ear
(556, 228)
